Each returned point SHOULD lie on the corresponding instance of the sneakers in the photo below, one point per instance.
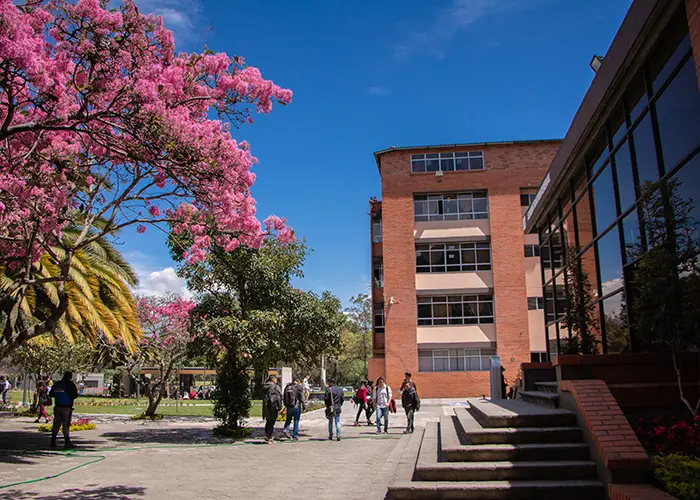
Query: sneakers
(330, 438)
(379, 432)
(68, 446)
(338, 438)
(386, 431)
(287, 434)
(295, 438)
(356, 424)
(271, 441)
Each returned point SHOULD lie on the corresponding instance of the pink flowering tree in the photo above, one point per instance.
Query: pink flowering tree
(166, 326)
(103, 125)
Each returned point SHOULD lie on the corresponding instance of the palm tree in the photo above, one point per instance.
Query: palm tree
(99, 292)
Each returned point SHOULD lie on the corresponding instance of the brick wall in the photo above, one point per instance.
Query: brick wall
(616, 443)
(509, 167)
(636, 492)
(692, 8)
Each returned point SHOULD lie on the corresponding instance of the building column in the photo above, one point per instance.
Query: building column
(692, 8)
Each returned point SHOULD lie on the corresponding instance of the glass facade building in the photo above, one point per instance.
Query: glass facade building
(618, 224)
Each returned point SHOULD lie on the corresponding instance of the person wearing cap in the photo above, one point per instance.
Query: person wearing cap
(63, 393)
(272, 404)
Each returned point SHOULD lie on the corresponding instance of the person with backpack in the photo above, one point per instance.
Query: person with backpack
(334, 398)
(41, 401)
(360, 400)
(63, 392)
(409, 401)
(295, 404)
(382, 399)
(271, 406)
(370, 403)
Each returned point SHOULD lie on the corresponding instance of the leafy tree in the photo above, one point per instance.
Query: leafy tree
(580, 316)
(664, 284)
(166, 324)
(104, 126)
(51, 356)
(100, 301)
(250, 314)
(360, 315)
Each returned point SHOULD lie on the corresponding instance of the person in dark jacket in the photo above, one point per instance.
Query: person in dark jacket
(271, 406)
(333, 398)
(63, 393)
(294, 408)
(409, 401)
(361, 402)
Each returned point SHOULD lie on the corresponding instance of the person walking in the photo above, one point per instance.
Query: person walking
(334, 398)
(295, 404)
(41, 401)
(272, 404)
(4, 387)
(361, 401)
(63, 392)
(306, 389)
(409, 401)
(370, 403)
(382, 398)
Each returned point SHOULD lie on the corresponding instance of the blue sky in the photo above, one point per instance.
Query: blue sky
(367, 75)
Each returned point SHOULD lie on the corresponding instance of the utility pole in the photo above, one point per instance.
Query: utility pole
(323, 369)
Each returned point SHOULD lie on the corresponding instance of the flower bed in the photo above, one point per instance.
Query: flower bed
(80, 424)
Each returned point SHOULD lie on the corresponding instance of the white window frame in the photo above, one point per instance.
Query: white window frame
(447, 162)
(461, 301)
(377, 232)
(472, 247)
(538, 302)
(449, 206)
(378, 269)
(534, 250)
(378, 328)
(449, 356)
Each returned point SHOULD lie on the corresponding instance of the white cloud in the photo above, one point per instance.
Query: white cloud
(162, 282)
(613, 304)
(182, 17)
(379, 90)
(432, 34)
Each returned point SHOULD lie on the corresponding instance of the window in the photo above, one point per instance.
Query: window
(535, 303)
(532, 250)
(453, 257)
(527, 199)
(455, 310)
(376, 227)
(456, 206)
(538, 357)
(447, 162)
(454, 360)
(378, 273)
(379, 318)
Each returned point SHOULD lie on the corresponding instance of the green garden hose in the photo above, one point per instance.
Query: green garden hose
(100, 458)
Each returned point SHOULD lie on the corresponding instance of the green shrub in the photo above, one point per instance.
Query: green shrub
(81, 424)
(677, 474)
(237, 433)
(28, 412)
(143, 416)
(314, 405)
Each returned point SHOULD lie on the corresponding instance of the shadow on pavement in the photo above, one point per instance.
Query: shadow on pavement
(17, 446)
(116, 492)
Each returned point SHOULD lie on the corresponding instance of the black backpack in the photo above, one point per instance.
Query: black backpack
(290, 395)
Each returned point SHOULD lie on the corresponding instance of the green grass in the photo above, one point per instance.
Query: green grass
(134, 407)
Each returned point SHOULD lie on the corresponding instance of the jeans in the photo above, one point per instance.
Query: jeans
(409, 419)
(335, 418)
(360, 408)
(4, 397)
(61, 418)
(382, 413)
(270, 425)
(293, 413)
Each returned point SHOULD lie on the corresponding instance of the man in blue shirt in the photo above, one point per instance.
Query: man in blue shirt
(63, 392)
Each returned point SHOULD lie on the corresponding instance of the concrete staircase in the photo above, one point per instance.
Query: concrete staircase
(545, 395)
(502, 450)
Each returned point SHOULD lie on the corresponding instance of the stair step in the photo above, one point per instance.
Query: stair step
(547, 386)
(470, 431)
(543, 398)
(527, 451)
(506, 470)
(542, 490)
(518, 413)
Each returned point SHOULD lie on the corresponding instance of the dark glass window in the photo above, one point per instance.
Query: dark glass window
(604, 197)
(678, 110)
(598, 154)
(378, 272)
(610, 261)
(633, 239)
(447, 162)
(636, 97)
(534, 303)
(618, 128)
(453, 257)
(687, 191)
(645, 151)
(616, 331)
(459, 206)
(532, 251)
(527, 199)
(379, 318)
(625, 178)
(455, 310)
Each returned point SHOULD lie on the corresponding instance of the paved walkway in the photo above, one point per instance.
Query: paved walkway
(180, 459)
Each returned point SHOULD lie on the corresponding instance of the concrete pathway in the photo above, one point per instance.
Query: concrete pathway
(181, 459)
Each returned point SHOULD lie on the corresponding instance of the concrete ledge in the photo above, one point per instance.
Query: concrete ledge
(636, 492)
(517, 413)
(542, 490)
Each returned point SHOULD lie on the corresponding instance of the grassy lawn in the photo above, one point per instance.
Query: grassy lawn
(204, 408)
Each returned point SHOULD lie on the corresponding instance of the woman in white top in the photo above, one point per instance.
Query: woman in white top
(382, 398)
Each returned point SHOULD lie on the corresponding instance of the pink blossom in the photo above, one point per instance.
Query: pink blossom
(140, 229)
(154, 211)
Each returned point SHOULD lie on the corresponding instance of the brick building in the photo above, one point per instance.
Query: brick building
(455, 278)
